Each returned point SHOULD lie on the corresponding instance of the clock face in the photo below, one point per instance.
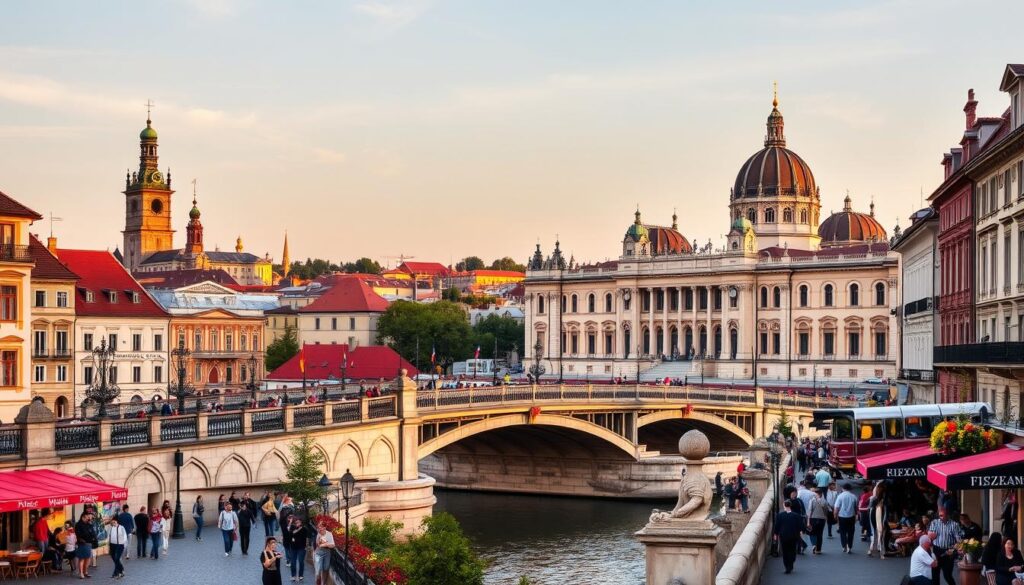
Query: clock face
(156, 177)
(157, 206)
(626, 294)
(733, 292)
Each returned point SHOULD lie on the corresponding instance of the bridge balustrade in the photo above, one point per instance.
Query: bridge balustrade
(178, 428)
(382, 407)
(77, 436)
(219, 425)
(268, 420)
(134, 432)
(347, 411)
(309, 416)
(11, 441)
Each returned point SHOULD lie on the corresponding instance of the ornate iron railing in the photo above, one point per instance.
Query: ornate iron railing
(381, 407)
(219, 425)
(267, 420)
(178, 429)
(308, 416)
(77, 436)
(347, 411)
(11, 441)
(129, 433)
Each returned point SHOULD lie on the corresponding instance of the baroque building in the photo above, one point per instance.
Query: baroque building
(53, 328)
(787, 299)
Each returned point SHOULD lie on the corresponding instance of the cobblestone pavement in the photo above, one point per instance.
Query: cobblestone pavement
(833, 567)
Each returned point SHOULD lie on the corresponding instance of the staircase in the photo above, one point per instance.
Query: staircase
(680, 369)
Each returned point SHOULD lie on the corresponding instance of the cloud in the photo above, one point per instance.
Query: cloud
(327, 155)
(391, 15)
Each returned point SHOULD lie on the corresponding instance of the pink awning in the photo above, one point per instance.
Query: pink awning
(999, 468)
(44, 488)
(909, 462)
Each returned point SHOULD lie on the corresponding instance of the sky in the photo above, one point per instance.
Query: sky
(445, 128)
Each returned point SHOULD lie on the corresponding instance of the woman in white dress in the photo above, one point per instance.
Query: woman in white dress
(166, 529)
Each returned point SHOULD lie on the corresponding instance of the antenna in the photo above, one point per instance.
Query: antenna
(53, 219)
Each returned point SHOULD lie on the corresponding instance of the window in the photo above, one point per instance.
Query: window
(608, 350)
(1020, 256)
(854, 294)
(181, 339)
(89, 297)
(752, 215)
(854, 341)
(894, 428)
(62, 373)
(827, 372)
(769, 215)
(804, 295)
(39, 374)
(1020, 179)
(1007, 246)
(135, 296)
(87, 341)
(316, 323)
(351, 327)
(112, 340)
(702, 299)
(540, 304)
(870, 430)
(39, 342)
(776, 343)
(804, 342)
(112, 375)
(918, 426)
(198, 373)
(776, 297)
(591, 344)
(575, 304)
(764, 297)
(608, 303)
(718, 299)
(992, 282)
(40, 298)
(136, 374)
(8, 303)
(243, 342)
(983, 275)
(803, 216)
(829, 291)
(62, 299)
(87, 374)
(828, 340)
(1006, 187)
(881, 344)
(215, 340)
(158, 342)
(61, 341)
(229, 372)
(591, 303)
(880, 294)
(575, 343)
(158, 374)
(334, 323)
(764, 343)
(842, 428)
(993, 197)
(787, 215)
(112, 296)
(136, 342)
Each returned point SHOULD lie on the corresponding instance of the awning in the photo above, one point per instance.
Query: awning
(999, 468)
(44, 488)
(909, 462)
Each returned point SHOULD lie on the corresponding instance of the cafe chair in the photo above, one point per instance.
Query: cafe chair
(6, 570)
(29, 568)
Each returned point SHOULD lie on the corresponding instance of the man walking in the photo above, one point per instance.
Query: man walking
(787, 531)
(227, 521)
(141, 533)
(245, 519)
(944, 534)
(125, 520)
(922, 563)
(117, 538)
(846, 516)
(830, 498)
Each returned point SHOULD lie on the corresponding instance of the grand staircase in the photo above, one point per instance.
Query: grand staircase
(678, 369)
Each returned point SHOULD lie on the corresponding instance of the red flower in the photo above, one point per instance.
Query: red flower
(687, 410)
(951, 426)
(968, 427)
(534, 413)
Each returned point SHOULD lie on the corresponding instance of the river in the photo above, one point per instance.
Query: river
(553, 540)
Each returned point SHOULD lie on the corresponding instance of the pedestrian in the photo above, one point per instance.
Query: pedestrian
(970, 528)
(830, 497)
(864, 511)
(944, 533)
(270, 558)
(990, 555)
(818, 515)
(846, 517)
(221, 500)
(787, 532)
(41, 530)
(790, 493)
(85, 534)
(156, 532)
(141, 533)
(743, 494)
(234, 501)
(730, 493)
(923, 562)
(117, 539)
(286, 509)
(245, 519)
(70, 545)
(1009, 563)
(822, 478)
(269, 511)
(127, 522)
(323, 545)
(879, 513)
(295, 548)
(718, 484)
(197, 516)
(168, 522)
(227, 521)
(54, 552)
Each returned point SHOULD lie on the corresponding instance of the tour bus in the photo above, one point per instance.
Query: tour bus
(856, 432)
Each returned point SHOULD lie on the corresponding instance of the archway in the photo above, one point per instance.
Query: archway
(214, 377)
(688, 344)
(660, 431)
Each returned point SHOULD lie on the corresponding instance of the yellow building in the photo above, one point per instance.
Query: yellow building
(53, 329)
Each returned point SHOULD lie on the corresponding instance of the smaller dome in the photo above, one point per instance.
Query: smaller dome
(637, 231)
(148, 133)
(850, 227)
(194, 212)
(742, 225)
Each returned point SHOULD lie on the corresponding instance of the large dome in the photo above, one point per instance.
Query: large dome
(774, 171)
(850, 227)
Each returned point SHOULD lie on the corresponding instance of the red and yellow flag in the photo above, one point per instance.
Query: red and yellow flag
(302, 360)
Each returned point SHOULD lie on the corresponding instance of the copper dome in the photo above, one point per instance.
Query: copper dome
(849, 226)
(774, 170)
(668, 241)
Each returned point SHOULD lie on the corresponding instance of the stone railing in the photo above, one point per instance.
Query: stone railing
(110, 434)
(745, 562)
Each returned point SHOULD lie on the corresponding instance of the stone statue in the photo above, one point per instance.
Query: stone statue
(695, 490)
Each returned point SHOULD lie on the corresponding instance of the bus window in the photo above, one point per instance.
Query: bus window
(894, 428)
(918, 427)
(842, 429)
(870, 430)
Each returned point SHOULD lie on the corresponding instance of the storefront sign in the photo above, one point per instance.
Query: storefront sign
(906, 472)
(996, 481)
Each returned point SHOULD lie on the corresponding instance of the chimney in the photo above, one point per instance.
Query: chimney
(970, 108)
(51, 245)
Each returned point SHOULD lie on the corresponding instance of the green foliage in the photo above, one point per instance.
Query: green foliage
(469, 263)
(363, 266)
(281, 349)
(451, 294)
(508, 331)
(507, 263)
(304, 472)
(377, 535)
(442, 325)
(524, 580)
(440, 555)
(312, 268)
(784, 426)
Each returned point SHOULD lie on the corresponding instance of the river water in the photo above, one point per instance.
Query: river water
(553, 540)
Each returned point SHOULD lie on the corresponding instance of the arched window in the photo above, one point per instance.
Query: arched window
(769, 215)
(591, 303)
(880, 294)
(803, 295)
(829, 293)
(854, 295)
(575, 304)
(776, 297)
(608, 303)
(764, 297)
(540, 304)
(787, 215)
(752, 215)
(565, 302)
(803, 216)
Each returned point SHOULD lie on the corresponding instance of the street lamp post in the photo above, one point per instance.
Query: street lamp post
(103, 389)
(537, 369)
(347, 483)
(181, 388)
(179, 520)
(253, 385)
(325, 485)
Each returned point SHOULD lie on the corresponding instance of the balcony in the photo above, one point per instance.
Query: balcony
(14, 253)
(1006, 354)
(57, 354)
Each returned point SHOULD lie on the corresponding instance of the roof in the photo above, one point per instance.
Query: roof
(161, 257)
(10, 207)
(874, 248)
(850, 226)
(99, 272)
(208, 296)
(348, 295)
(185, 277)
(323, 362)
(47, 266)
(487, 272)
(432, 268)
(1002, 467)
(44, 488)
(215, 256)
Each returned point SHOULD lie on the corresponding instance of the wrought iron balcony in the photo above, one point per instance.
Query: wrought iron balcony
(14, 253)
(1002, 354)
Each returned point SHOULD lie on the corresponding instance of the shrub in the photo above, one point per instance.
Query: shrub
(377, 535)
(440, 555)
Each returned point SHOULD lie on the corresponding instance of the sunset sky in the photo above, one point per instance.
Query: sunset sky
(441, 129)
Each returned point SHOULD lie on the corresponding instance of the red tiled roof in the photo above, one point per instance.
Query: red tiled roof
(348, 295)
(99, 272)
(370, 362)
(433, 268)
(10, 207)
(180, 278)
(47, 266)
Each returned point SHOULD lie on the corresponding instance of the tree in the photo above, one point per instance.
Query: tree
(363, 266)
(304, 473)
(507, 263)
(451, 294)
(282, 349)
(440, 554)
(377, 535)
(469, 263)
(784, 427)
(506, 330)
(442, 325)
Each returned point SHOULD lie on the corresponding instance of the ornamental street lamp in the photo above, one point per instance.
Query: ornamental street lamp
(325, 486)
(103, 389)
(537, 369)
(181, 389)
(252, 386)
(179, 520)
(347, 483)
(776, 450)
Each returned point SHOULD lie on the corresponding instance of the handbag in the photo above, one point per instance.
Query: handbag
(234, 535)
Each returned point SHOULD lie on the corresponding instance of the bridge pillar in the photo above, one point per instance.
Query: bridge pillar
(39, 443)
(408, 427)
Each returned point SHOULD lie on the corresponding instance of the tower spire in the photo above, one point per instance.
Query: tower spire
(775, 135)
(194, 229)
(285, 259)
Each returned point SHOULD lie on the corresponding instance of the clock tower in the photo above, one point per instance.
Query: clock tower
(147, 224)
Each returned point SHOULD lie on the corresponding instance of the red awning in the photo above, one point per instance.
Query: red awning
(44, 488)
(909, 462)
(999, 468)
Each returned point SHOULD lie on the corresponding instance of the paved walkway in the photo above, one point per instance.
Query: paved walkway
(835, 567)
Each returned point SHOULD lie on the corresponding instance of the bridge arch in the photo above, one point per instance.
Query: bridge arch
(512, 420)
(349, 456)
(660, 431)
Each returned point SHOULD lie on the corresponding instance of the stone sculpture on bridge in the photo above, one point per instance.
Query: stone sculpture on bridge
(695, 490)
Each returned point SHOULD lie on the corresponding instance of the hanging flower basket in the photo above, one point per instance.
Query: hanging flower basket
(687, 410)
(963, 437)
(534, 413)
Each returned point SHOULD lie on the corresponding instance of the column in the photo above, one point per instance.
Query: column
(693, 321)
(785, 324)
(726, 341)
(634, 332)
(709, 350)
(680, 338)
(618, 337)
(664, 322)
(652, 346)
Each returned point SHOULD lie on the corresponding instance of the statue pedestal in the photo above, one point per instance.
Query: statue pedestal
(680, 551)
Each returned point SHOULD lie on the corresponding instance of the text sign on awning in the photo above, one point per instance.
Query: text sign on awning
(999, 468)
(906, 463)
(56, 502)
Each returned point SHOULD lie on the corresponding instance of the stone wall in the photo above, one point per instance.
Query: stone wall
(751, 543)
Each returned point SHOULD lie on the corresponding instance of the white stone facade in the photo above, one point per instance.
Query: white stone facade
(142, 354)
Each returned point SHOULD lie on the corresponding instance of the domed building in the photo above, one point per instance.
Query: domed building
(848, 227)
(654, 240)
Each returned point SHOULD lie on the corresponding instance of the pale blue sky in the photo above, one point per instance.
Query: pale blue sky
(447, 128)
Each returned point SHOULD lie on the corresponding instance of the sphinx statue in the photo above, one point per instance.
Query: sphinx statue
(695, 490)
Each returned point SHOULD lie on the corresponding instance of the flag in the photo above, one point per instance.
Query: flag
(344, 359)
(302, 360)
(476, 355)
(433, 355)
